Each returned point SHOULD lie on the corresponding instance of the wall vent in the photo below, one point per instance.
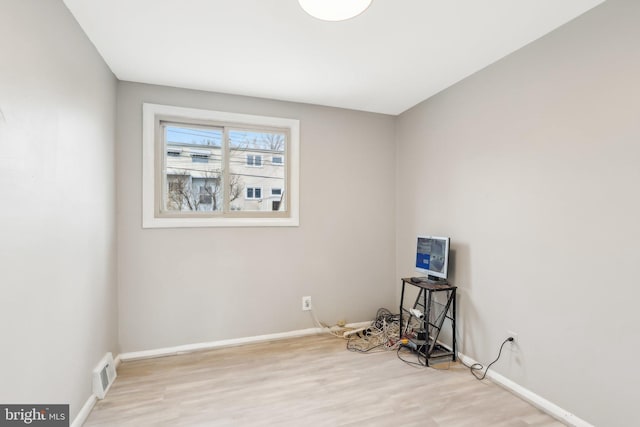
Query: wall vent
(103, 376)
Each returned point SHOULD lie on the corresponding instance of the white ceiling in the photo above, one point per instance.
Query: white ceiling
(391, 57)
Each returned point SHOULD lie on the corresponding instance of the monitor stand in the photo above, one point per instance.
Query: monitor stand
(436, 280)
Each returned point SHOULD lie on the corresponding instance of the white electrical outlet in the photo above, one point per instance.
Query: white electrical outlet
(306, 303)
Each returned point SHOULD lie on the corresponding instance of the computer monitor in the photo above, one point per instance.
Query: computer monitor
(432, 257)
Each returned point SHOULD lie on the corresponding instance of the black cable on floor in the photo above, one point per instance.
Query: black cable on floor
(419, 362)
(479, 367)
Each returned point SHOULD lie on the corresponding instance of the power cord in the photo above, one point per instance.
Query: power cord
(418, 364)
(337, 330)
(479, 367)
(381, 335)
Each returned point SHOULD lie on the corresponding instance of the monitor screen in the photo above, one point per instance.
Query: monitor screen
(432, 256)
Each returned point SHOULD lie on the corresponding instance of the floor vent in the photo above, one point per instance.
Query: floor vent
(103, 376)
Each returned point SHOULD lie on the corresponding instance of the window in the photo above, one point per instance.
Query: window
(196, 168)
(200, 157)
(206, 195)
(254, 193)
(254, 160)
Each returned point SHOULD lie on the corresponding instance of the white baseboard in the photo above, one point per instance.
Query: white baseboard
(527, 395)
(187, 348)
(82, 416)
(84, 412)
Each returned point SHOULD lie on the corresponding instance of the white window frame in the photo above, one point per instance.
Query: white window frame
(151, 149)
(279, 193)
(254, 188)
(255, 156)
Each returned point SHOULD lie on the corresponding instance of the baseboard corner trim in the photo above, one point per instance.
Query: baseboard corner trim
(82, 416)
(527, 395)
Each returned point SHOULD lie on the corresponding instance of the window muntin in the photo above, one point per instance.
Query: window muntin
(164, 170)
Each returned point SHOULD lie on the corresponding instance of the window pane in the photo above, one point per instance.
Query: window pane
(247, 149)
(192, 168)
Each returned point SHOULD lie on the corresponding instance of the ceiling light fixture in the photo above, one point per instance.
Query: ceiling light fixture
(334, 10)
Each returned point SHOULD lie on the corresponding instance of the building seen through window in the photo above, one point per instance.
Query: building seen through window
(222, 169)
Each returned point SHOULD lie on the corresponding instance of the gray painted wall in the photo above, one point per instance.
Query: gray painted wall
(184, 286)
(57, 222)
(532, 166)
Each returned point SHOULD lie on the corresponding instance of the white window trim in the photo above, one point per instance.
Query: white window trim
(246, 190)
(254, 165)
(150, 220)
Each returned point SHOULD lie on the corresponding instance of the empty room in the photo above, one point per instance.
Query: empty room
(322, 213)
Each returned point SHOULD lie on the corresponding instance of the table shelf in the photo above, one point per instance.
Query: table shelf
(426, 338)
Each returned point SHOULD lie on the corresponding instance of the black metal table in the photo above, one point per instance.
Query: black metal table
(425, 340)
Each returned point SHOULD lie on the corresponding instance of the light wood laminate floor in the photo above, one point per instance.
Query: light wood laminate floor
(309, 381)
